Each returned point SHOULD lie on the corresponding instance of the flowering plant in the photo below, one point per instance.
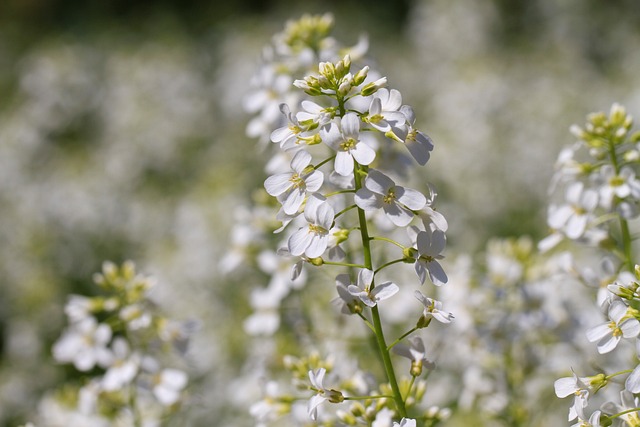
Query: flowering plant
(343, 153)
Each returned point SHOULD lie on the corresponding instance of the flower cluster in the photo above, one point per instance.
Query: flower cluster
(601, 197)
(344, 151)
(118, 341)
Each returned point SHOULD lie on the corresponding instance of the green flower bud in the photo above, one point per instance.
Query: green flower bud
(409, 255)
(360, 76)
(316, 261)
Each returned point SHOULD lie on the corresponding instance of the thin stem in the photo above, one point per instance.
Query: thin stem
(395, 261)
(385, 239)
(366, 321)
(624, 225)
(406, 334)
(343, 264)
(323, 162)
(413, 380)
(628, 411)
(380, 396)
(348, 208)
(338, 192)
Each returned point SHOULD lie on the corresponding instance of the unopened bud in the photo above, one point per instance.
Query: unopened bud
(361, 76)
(373, 87)
(316, 261)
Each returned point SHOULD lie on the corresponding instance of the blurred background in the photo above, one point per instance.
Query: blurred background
(122, 137)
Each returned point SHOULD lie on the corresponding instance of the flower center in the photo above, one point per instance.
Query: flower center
(316, 229)
(390, 197)
(297, 180)
(616, 181)
(348, 144)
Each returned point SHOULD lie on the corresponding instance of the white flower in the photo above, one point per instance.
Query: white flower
(619, 185)
(579, 387)
(383, 110)
(418, 143)
(349, 303)
(312, 239)
(344, 137)
(84, 344)
(628, 408)
(124, 366)
(287, 136)
(168, 385)
(433, 308)
(574, 216)
(397, 202)
(292, 187)
(323, 394)
(430, 244)
(620, 326)
(416, 353)
(368, 296)
(313, 115)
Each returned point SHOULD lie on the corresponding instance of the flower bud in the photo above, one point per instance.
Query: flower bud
(373, 87)
(361, 76)
(316, 261)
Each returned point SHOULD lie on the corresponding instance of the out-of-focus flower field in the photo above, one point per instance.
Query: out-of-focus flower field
(122, 137)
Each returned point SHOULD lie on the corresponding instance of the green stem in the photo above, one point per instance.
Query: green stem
(406, 334)
(381, 396)
(323, 162)
(624, 225)
(366, 321)
(384, 239)
(343, 264)
(375, 314)
(348, 208)
(395, 261)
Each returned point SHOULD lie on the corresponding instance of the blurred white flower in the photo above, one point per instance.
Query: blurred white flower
(84, 344)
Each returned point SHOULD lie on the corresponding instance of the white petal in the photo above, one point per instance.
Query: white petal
(365, 278)
(325, 215)
(300, 161)
(436, 273)
(384, 291)
(299, 241)
(378, 182)
(317, 246)
(598, 332)
(363, 154)
(350, 125)
(630, 328)
(607, 344)
(420, 151)
(316, 378)
(278, 184)
(632, 382)
(314, 402)
(399, 215)
(314, 181)
(576, 226)
(395, 100)
(293, 201)
(421, 270)
(559, 216)
(412, 199)
(343, 163)
(367, 200)
(565, 386)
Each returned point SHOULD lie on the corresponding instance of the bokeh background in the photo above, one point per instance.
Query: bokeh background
(122, 137)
